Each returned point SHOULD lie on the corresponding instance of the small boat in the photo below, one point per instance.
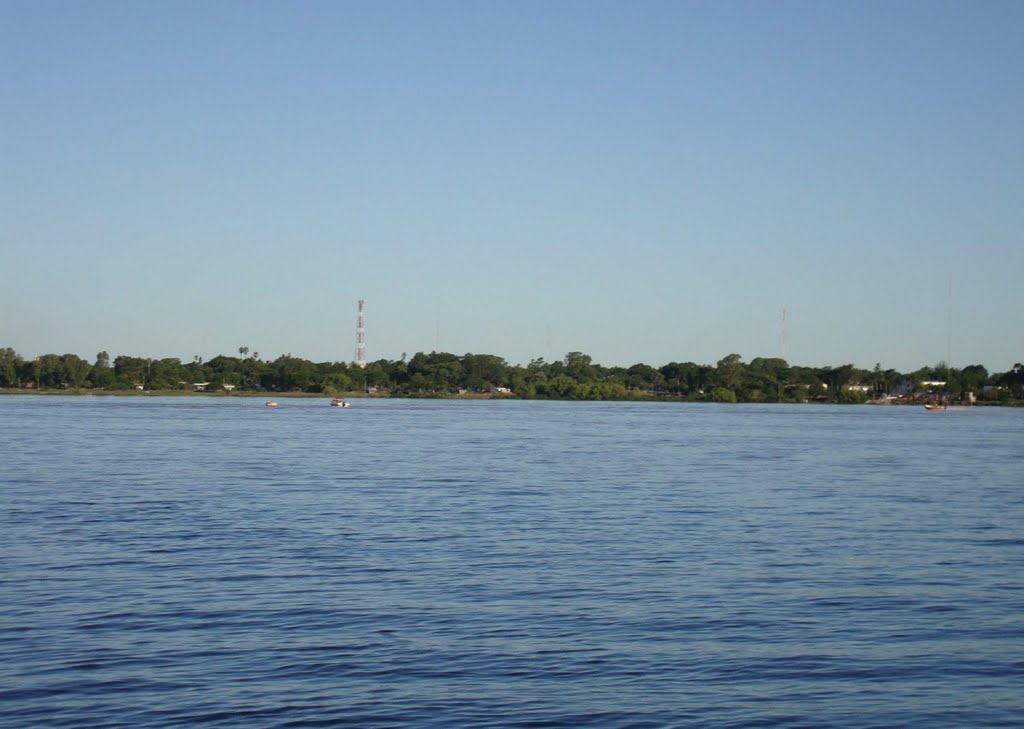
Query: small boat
(271, 404)
(933, 406)
(339, 402)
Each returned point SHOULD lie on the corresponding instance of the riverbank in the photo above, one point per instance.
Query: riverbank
(173, 393)
(424, 396)
(246, 394)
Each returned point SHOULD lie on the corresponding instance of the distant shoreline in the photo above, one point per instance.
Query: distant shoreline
(461, 396)
(487, 376)
(170, 393)
(88, 392)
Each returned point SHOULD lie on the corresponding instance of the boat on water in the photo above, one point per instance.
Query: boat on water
(339, 402)
(271, 404)
(934, 406)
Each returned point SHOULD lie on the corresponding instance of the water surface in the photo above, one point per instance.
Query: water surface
(213, 562)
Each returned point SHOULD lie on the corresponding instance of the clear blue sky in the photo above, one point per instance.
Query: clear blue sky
(639, 181)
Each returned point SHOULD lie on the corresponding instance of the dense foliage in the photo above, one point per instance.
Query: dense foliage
(576, 377)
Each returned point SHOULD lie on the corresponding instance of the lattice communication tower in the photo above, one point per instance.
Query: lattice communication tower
(360, 337)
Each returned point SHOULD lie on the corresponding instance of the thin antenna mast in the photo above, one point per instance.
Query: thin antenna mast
(949, 340)
(949, 344)
(782, 334)
(360, 337)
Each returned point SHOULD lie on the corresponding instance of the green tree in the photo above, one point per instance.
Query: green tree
(561, 387)
(837, 378)
(130, 371)
(101, 376)
(973, 378)
(337, 383)
(682, 377)
(579, 366)
(729, 372)
(167, 374)
(9, 363)
(723, 394)
(195, 371)
(451, 374)
(74, 370)
(643, 377)
(816, 389)
(769, 375)
(47, 371)
(1013, 381)
(883, 382)
(484, 371)
(608, 391)
(379, 374)
(295, 374)
(225, 370)
(851, 396)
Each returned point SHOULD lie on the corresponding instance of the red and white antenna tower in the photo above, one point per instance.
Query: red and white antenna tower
(360, 338)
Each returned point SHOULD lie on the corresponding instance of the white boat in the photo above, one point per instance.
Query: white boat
(339, 402)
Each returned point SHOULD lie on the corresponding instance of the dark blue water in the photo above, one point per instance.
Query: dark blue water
(213, 562)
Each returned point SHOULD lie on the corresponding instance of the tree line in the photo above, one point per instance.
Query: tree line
(575, 377)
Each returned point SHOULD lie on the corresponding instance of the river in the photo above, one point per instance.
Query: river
(429, 563)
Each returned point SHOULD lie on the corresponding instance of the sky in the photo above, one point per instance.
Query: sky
(831, 182)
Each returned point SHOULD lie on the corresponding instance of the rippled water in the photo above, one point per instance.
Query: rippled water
(193, 561)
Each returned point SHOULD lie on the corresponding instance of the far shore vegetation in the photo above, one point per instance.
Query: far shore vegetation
(575, 377)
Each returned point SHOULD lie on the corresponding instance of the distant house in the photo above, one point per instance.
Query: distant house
(199, 386)
(503, 390)
(228, 387)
